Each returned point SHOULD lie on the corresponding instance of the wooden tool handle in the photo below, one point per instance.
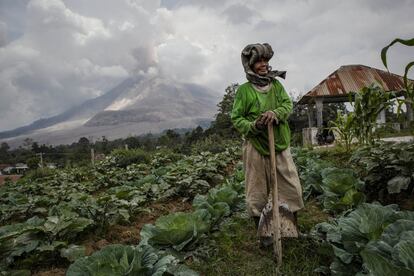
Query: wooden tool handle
(277, 239)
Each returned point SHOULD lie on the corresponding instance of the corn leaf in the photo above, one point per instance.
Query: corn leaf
(406, 42)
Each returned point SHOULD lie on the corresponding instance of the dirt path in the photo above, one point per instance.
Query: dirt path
(399, 139)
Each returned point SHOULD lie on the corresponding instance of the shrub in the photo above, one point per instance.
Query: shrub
(124, 157)
(386, 168)
(213, 144)
(39, 173)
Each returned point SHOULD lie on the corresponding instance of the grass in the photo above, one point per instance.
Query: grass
(336, 155)
(388, 131)
(311, 215)
(238, 252)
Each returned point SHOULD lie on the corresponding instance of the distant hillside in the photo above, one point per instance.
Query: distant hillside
(136, 106)
(86, 109)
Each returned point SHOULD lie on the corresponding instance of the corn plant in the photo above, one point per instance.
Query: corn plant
(408, 85)
(367, 104)
(344, 127)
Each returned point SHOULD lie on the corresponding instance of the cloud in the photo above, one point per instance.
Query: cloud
(14, 14)
(181, 60)
(65, 57)
(211, 4)
(3, 34)
(238, 14)
(55, 54)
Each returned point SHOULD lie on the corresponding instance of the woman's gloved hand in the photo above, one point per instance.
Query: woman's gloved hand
(259, 124)
(269, 117)
(266, 118)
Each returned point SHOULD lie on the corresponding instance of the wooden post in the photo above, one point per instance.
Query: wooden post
(41, 159)
(410, 116)
(310, 115)
(277, 239)
(93, 157)
(381, 119)
(319, 112)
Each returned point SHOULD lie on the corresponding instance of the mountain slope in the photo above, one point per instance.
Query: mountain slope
(86, 109)
(136, 106)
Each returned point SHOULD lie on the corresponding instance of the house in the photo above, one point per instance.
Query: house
(9, 169)
(4, 166)
(21, 168)
(337, 88)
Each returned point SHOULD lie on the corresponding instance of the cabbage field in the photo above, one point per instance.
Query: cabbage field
(48, 219)
(164, 213)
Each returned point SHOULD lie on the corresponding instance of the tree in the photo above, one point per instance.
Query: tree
(4, 153)
(148, 141)
(103, 146)
(81, 151)
(330, 111)
(299, 117)
(222, 124)
(132, 142)
(27, 143)
(84, 142)
(170, 139)
(33, 162)
(193, 136)
(4, 147)
(35, 147)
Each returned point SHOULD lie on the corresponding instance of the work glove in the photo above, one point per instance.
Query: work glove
(259, 125)
(264, 119)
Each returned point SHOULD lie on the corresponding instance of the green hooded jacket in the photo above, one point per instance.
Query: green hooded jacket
(249, 104)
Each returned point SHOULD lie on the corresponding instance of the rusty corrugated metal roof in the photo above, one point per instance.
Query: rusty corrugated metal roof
(352, 78)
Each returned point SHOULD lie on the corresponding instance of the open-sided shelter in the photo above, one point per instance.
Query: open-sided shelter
(350, 78)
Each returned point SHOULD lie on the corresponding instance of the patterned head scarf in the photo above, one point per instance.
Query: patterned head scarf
(253, 53)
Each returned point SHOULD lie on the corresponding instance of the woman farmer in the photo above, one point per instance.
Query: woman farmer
(260, 101)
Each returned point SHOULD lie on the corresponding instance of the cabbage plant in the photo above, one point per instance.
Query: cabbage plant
(362, 239)
(219, 202)
(310, 167)
(341, 189)
(176, 230)
(393, 252)
(386, 168)
(125, 260)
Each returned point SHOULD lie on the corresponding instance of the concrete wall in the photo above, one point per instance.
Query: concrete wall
(309, 136)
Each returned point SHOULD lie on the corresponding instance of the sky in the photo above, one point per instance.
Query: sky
(55, 54)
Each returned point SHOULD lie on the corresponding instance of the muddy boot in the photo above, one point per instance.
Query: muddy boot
(264, 231)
